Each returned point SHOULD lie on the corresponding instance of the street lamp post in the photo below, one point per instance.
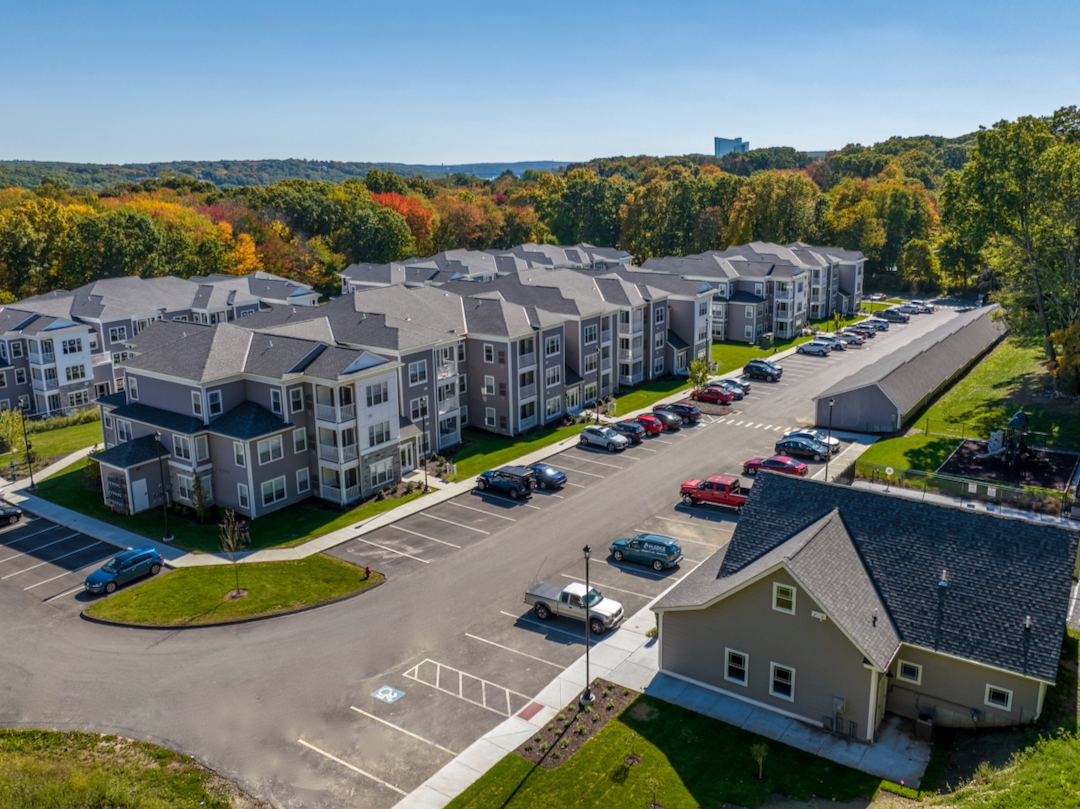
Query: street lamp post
(828, 443)
(164, 489)
(587, 694)
(427, 444)
(28, 445)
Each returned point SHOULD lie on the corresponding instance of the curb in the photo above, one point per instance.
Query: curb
(124, 625)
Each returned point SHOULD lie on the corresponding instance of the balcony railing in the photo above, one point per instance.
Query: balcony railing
(527, 424)
(447, 371)
(783, 295)
(527, 360)
(527, 390)
(605, 336)
(632, 379)
(335, 414)
(351, 493)
(329, 452)
(101, 359)
(448, 405)
(605, 363)
(42, 358)
(45, 384)
(332, 493)
(625, 355)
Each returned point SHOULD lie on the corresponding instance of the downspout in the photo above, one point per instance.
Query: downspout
(1039, 704)
(873, 705)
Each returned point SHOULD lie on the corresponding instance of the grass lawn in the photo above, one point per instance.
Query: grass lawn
(40, 768)
(196, 595)
(1008, 379)
(877, 306)
(730, 355)
(487, 451)
(695, 761)
(60, 442)
(282, 529)
(649, 394)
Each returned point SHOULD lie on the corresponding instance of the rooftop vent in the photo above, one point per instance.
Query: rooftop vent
(1027, 624)
(944, 579)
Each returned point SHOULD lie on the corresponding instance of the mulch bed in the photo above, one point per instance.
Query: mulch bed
(1054, 471)
(715, 409)
(554, 743)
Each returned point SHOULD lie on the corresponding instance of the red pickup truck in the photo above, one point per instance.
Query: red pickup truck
(718, 490)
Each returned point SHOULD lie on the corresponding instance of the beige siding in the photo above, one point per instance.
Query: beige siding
(826, 663)
(951, 689)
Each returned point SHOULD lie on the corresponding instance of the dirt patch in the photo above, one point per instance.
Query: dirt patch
(714, 408)
(643, 712)
(236, 595)
(1043, 469)
(560, 738)
(972, 747)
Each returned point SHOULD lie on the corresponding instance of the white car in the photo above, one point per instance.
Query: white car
(601, 436)
(924, 307)
(909, 309)
(815, 347)
(821, 436)
(851, 338)
(831, 340)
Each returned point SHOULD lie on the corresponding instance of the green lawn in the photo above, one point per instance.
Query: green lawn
(487, 451)
(1008, 379)
(285, 528)
(647, 395)
(72, 770)
(695, 761)
(60, 442)
(196, 595)
(877, 306)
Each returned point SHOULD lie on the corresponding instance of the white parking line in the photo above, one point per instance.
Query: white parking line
(406, 732)
(20, 539)
(38, 548)
(351, 767)
(481, 511)
(646, 449)
(739, 423)
(757, 426)
(451, 522)
(610, 587)
(65, 573)
(821, 472)
(65, 593)
(702, 523)
(598, 463)
(50, 561)
(515, 651)
(579, 472)
(778, 427)
(768, 426)
(684, 539)
(424, 536)
(399, 553)
(575, 485)
(660, 441)
(546, 626)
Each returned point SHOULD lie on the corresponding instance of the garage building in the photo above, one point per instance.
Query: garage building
(885, 396)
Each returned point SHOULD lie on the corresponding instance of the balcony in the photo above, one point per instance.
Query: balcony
(526, 360)
(448, 405)
(101, 359)
(45, 384)
(605, 364)
(632, 379)
(329, 452)
(525, 391)
(42, 358)
(352, 493)
(637, 327)
(527, 424)
(625, 355)
(446, 371)
(605, 336)
(783, 295)
(334, 414)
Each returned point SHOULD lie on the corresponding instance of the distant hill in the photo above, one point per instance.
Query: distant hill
(231, 173)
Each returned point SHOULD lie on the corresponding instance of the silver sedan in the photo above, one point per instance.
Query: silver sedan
(602, 436)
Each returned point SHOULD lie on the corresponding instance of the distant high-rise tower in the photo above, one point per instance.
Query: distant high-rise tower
(725, 145)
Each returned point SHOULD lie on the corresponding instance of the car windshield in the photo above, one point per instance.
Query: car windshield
(112, 565)
(595, 597)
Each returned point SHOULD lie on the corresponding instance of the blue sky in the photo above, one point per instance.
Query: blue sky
(418, 81)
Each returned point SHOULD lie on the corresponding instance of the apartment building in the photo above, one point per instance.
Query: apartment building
(117, 309)
(45, 362)
(261, 420)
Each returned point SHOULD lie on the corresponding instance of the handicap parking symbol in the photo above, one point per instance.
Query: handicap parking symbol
(388, 695)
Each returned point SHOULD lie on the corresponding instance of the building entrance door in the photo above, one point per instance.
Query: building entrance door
(140, 500)
(407, 463)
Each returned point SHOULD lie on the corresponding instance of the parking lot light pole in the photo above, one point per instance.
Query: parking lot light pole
(587, 694)
(26, 443)
(828, 443)
(164, 490)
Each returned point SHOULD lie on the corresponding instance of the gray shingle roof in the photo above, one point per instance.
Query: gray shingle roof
(675, 341)
(247, 421)
(156, 417)
(132, 453)
(912, 371)
(1000, 569)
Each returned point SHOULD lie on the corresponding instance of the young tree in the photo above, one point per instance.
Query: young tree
(758, 752)
(11, 429)
(233, 538)
(200, 498)
(699, 373)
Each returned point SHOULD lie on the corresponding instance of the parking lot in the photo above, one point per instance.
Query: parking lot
(49, 562)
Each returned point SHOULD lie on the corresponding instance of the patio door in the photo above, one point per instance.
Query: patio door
(407, 464)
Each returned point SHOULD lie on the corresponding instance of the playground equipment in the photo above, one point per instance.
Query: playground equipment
(996, 447)
(1016, 438)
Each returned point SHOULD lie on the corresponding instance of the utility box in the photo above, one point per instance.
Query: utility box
(924, 728)
(766, 340)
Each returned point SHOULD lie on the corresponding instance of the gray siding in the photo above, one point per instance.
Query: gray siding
(826, 663)
(166, 394)
(479, 401)
(864, 410)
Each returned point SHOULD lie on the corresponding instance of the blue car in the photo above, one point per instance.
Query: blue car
(655, 550)
(122, 568)
(548, 477)
(806, 447)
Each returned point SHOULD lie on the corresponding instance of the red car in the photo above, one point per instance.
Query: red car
(713, 395)
(652, 425)
(775, 463)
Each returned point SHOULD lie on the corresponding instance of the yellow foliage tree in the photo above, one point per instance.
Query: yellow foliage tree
(243, 258)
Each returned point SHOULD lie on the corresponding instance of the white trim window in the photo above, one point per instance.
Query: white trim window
(658, 366)
(489, 417)
(703, 309)
(108, 421)
(3, 379)
(736, 667)
(659, 314)
(783, 598)
(16, 350)
(184, 486)
(591, 361)
(303, 480)
(299, 441)
(74, 373)
(461, 352)
(748, 332)
(273, 491)
(117, 334)
(554, 407)
(748, 312)
(489, 386)
(912, 672)
(242, 496)
(123, 429)
(79, 398)
(418, 408)
(202, 449)
(270, 450)
(590, 333)
(275, 401)
(997, 697)
(378, 393)
(382, 472)
(20, 376)
(552, 345)
(658, 343)
(417, 372)
(213, 402)
(489, 353)
(181, 447)
(72, 345)
(196, 403)
(782, 682)
(296, 400)
(133, 387)
(463, 415)
(378, 433)
(462, 383)
(238, 453)
(553, 376)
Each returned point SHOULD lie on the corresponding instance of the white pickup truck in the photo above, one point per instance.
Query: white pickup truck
(548, 600)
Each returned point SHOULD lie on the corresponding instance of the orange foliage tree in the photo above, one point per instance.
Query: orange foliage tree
(417, 216)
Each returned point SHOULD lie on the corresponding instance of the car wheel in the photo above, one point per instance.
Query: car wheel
(542, 611)
(770, 378)
(584, 441)
(688, 500)
(110, 587)
(541, 485)
(12, 519)
(751, 470)
(617, 556)
(817, 457)
(611, 447)
(738, 510)
(657, 565)
(685, 421)
(155, 569)
(482, 485)
(596, 626)
(514, 494)
(800, 350)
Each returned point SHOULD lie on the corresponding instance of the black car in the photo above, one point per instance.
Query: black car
(671, 421)
(514, 481)
(806, 447)
(763, 369)
(730, 385)
(631, 429)
(10, 515)
(895, 315)
(689, 412)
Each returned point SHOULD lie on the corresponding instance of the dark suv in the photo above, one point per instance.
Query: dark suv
(763, 369)
(895, 315)
(513, 481)
(687, 411)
